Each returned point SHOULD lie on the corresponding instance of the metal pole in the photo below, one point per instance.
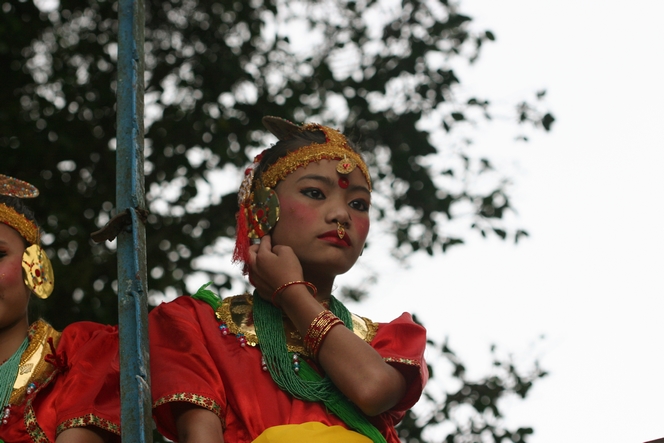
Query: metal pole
(130, 197)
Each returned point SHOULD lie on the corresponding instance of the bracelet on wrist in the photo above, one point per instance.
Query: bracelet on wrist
(281, 288)
(320, 326)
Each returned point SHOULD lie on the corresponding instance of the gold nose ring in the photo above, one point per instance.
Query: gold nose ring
(341, 231)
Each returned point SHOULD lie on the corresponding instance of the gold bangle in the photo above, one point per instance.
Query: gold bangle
(291, 283)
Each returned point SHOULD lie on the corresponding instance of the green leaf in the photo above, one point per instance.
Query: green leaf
(500, 232)
(547, 121)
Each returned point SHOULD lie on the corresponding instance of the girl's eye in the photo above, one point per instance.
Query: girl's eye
(314, 193)
(359, 205)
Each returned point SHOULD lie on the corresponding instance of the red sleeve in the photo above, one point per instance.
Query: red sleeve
(401, 343)
(182, 369)
(88, 388)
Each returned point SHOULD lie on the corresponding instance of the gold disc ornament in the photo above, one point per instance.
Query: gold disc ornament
(346, 165)
(264, 212)
(38, 271)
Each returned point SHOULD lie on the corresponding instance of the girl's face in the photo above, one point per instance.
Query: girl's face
(313, 201)
(14, 294)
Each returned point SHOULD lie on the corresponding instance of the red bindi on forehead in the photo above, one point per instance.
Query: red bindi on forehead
(343, 182)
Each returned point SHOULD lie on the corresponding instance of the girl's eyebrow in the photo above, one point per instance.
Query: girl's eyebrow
(331, 182)
(317, 177)
(360, 188)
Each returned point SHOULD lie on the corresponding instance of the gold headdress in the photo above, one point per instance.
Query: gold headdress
(37, 268)
(258, 202)
(13, 187)
(335, 148)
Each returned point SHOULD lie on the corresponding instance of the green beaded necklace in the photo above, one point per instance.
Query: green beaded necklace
(307, 384)
(9, 372)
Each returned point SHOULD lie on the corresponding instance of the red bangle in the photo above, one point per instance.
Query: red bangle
(291, 283)
(318, 330)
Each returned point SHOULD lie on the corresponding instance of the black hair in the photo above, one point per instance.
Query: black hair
(17, 205)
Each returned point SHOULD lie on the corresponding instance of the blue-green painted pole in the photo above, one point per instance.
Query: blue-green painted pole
(130, 190)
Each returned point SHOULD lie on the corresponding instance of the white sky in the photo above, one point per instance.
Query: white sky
(589, 277)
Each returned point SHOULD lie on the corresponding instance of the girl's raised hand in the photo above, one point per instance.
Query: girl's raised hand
(270, 267)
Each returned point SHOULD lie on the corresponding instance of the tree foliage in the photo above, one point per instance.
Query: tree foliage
(466, 410)
(381, 71)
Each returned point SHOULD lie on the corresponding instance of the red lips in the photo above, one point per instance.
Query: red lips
(333, 237)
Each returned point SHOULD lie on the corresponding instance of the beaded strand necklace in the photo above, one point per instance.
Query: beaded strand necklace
(306, 383)
(9, 372)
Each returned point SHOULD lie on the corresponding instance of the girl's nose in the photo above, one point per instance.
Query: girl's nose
(339, 214)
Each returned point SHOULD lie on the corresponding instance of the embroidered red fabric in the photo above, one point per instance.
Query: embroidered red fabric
(84, 392)
(192, 361)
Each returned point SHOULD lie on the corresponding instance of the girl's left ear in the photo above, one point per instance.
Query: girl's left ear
(38, 271)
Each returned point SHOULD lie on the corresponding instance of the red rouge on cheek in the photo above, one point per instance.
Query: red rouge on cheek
(362, 227)
(301, 211)
(12, 274)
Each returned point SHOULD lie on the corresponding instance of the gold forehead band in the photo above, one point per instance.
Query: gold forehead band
(335, 148)
(25, 227)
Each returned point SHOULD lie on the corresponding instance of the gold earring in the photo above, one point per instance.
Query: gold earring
(263, 213)
(38, 271)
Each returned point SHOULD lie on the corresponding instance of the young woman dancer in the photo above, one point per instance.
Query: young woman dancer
(54, 387)
(288, 363)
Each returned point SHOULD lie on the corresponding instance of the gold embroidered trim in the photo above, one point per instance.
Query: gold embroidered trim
(236, 311)
(198, 400)
(37, 334)
(30, 418)
(364, 328)
(25, 227)
(335, 148)
(33, 368)
(41, 374)
(88, 420)
(405, 361)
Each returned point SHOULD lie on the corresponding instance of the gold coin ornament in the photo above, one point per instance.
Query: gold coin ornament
(38, 271)
(346, 165)
(264, 212)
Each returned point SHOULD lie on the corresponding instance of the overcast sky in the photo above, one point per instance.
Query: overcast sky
(589, 278)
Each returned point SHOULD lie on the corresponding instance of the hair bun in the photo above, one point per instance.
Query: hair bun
(281, 128)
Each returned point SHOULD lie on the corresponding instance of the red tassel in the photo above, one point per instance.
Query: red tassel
(241, 252)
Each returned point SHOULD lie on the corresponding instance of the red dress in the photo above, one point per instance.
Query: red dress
(193, 361)
(76, 386)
